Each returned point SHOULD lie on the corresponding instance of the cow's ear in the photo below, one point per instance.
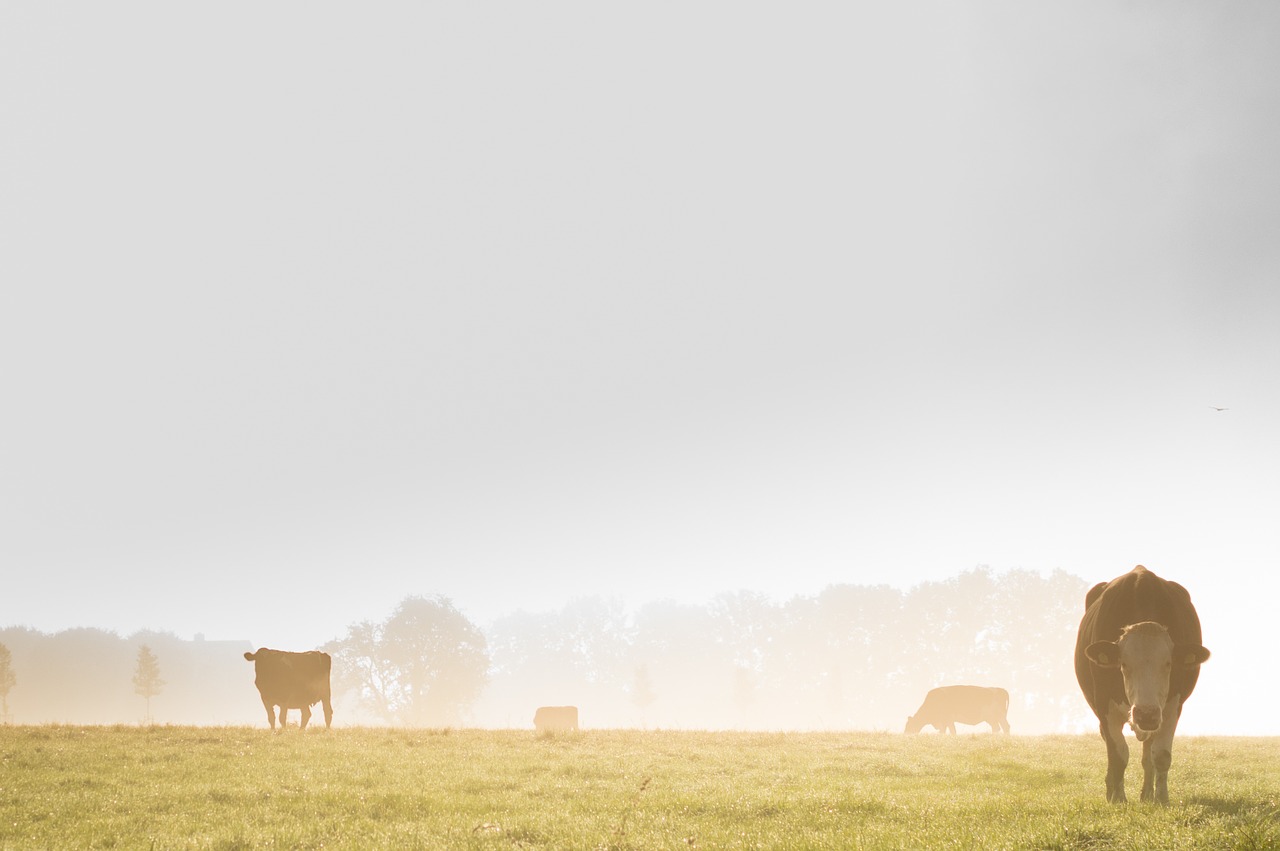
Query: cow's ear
(1190, 654)
(1104, 654)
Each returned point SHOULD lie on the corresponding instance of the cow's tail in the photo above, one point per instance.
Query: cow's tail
(1005, 692)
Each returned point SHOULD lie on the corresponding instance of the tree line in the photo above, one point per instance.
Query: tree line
(849, 657)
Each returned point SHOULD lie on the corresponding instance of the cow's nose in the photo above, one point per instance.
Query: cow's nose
(1146, 718)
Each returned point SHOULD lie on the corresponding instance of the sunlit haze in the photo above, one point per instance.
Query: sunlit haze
(311, 307)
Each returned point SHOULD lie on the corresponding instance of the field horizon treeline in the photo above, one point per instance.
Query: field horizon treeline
(849, 657)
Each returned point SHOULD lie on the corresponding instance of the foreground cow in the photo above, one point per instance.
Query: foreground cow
(1138, 656)
(554, 719)
(944, 706)
(292, 681)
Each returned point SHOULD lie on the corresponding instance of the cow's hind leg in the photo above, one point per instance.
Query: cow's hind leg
(1117, 756)
(284, 713)
(306, 716)
(328, 713)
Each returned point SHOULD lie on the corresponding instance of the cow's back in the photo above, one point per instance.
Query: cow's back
(966, 704)
(292, 679)
(555, 718)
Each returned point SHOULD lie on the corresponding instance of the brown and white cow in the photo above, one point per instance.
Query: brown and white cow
(946, 705)
(1138, 656)
(292, 681)
(551, 719)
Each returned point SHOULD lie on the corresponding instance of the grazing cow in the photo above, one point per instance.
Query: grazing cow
(292, 681)
(552, 719)
(944, 706)
(1138, 656)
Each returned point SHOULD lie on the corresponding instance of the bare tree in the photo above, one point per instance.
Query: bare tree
(146, 680)
(7, 681)
(642, 694)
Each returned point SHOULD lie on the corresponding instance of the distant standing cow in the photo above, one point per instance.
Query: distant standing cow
(292, 681)
(555, 719)
(1138, 656)
(944, 706)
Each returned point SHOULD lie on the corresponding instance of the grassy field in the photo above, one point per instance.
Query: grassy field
(240, 788)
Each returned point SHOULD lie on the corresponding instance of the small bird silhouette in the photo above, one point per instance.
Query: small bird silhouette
(1216, 408)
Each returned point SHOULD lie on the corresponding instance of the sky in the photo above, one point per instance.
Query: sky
(309, 307)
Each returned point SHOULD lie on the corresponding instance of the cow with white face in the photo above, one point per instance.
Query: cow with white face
(1138, 657)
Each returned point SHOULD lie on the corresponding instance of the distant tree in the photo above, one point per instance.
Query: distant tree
(642, 694)
(746, 625)
(675, 642)
(425, 665)
(744, 690)
(7, 681)
(1012, 630)
(839, 644)
(146, 679)
(581, 652)
(852, 656)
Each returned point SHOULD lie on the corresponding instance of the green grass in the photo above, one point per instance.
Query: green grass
(240, 788)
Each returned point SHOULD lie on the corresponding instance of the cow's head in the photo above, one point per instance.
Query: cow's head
(914, 725)
(1146, 656)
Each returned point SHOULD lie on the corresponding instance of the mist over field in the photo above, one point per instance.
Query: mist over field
(849, 658)
(724, 375)
(678, 361)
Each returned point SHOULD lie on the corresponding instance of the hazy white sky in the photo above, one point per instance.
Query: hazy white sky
(311, 306)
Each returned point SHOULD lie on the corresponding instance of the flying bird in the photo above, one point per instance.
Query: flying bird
(1216, 408)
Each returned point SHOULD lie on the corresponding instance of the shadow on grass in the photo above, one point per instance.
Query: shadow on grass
(559, 736)
(1235, 806)
(1078, 839)
(1252, 825)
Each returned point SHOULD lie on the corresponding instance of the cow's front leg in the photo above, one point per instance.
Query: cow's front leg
(1157, 754)
(284, 713)
(1148, 772)
(951, 728)
(1112, 728)
(306, 715)
(271, 712)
